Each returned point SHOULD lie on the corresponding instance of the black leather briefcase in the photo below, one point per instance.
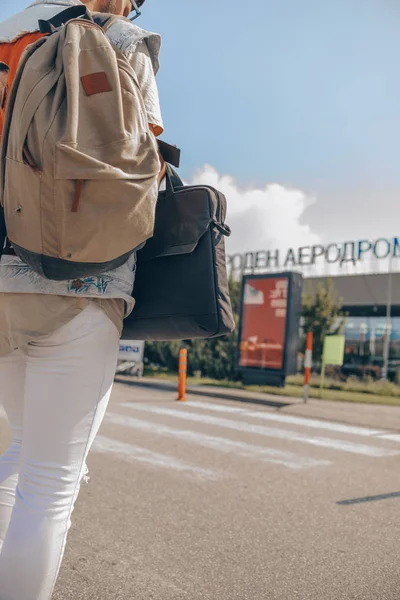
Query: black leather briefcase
(181, 288)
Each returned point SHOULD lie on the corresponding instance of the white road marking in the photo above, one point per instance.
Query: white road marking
(216, 407)
(293, 436)
(392, 437)
(270, 455)
(290, 420)
(137, 454)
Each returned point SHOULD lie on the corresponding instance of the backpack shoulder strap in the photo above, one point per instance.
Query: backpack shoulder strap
(74, 12)
(3, 231)
(105, 20)
(28, 52)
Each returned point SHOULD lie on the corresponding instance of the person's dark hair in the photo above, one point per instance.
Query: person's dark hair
(4, 67)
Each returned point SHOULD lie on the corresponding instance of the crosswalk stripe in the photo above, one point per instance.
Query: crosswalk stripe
(293, 436)
(271, 455)
(291, 420)
(392, 437)
(223, 408)
(137, 454)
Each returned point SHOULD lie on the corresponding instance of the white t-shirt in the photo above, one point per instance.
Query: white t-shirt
(141, 63)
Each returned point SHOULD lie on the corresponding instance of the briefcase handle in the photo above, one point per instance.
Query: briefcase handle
(173, 180)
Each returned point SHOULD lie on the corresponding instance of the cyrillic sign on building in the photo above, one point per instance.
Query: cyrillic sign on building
(348, 252)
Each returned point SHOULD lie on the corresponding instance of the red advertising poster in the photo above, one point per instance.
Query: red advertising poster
(264, 315)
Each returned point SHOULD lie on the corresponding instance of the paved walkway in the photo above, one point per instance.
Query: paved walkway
(223, 500)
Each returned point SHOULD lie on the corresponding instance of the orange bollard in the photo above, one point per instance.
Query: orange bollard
(308, 365)
(182, 375)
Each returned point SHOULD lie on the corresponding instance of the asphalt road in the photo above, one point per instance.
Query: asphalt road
(216, 500)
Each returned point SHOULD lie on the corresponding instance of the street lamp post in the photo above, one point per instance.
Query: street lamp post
(388, 325)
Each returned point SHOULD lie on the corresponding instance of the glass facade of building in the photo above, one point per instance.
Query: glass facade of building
(365, 337)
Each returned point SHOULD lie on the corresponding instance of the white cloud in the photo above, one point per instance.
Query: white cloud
(266, 218)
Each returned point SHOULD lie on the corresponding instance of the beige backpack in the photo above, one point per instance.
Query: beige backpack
(79, 163)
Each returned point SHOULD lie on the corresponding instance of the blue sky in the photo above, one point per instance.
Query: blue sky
(302, 93)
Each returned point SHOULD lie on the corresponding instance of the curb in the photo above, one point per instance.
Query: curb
(212, 393)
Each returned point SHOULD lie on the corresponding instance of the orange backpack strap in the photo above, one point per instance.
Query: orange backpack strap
(10, 54)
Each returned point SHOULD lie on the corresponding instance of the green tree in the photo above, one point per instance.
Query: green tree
(322, 315)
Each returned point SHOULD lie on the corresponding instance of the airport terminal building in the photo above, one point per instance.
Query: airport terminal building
(366, 277)
(365, 300)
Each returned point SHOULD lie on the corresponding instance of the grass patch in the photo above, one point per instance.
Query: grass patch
(352, 384)
(353, 390)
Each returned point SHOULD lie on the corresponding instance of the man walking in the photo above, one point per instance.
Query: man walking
(59, 344)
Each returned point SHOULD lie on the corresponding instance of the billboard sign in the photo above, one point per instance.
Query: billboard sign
(264, 323)
(270, 313)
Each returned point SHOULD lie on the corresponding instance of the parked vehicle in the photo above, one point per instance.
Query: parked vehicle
(365, 367)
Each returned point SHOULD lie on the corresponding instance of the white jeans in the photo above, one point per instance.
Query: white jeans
(55, 392)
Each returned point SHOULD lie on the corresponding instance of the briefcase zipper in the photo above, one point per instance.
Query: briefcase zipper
(208, 188)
